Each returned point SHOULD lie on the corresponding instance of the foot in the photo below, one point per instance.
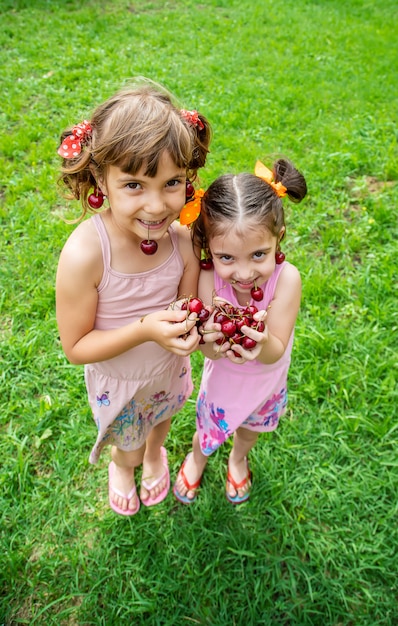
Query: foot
(238, 481)
(155, 482)
(188, 480)
(123, 497)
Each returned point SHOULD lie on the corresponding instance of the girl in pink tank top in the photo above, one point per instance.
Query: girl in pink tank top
(244, 384)
(121, 269)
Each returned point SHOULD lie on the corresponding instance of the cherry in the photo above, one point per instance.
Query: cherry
(260, 326)
(220, 317)
(149, 246)
(248, 343)
(257, 293)
(206, 264)
(243, 321)
(250, 310)
(195, 305)
(203, 315)
(237, 338)
(189, 191)
(228, 328)
(279, 257)
(96, 199)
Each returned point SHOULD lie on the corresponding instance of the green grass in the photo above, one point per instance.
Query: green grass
(317, 542)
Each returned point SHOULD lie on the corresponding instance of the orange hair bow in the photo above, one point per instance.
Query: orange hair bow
(191, 210)
(263, 172)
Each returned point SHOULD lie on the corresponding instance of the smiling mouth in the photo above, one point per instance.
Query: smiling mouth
(151, 223)
(243, 283)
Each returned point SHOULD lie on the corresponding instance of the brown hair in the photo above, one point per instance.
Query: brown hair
(131, 129)
(244, 200)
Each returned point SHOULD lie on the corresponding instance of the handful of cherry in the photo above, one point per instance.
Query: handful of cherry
(231, 319)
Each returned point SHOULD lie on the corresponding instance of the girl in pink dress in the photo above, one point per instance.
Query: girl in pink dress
(243, 391)
(121, 269)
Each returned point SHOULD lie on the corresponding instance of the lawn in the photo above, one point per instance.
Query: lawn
(317, 544)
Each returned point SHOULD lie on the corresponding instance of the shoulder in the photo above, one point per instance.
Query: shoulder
(206, 286)
(289, 276)
(82, 251)
(288, 286)
(184, 241)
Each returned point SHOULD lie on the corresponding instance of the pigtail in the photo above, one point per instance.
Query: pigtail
(202, 138)
(200, 130)
(291, 178)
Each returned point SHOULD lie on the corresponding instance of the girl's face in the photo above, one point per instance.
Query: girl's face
(244, 260)
(145, 206)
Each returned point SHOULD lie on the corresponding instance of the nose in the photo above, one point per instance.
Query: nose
(154, 203)
(243, 273)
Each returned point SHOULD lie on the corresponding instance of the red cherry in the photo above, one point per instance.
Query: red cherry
(220, 341)
(257, 293)
(279, 257)
(248, 343)
(228, 328)
(206, 264)
(237, 338)
(149, 246)
(251, 310)
(260, 326)
(96, 199)
(219, 318)
(203, 315)
(243, 321)
(195, 305)
(189, 190)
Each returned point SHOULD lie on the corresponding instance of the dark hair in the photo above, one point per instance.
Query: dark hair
(132, 128)
(245, 199)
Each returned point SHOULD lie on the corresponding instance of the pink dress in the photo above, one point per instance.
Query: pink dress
(135, 391)
(252, 395)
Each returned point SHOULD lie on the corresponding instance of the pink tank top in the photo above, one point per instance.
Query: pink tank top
(125, 298)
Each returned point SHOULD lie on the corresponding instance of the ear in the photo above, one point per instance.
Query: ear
(282, 233)
(99, 180)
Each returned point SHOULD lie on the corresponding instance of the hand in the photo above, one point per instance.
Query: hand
(173, 330)
(239, 354)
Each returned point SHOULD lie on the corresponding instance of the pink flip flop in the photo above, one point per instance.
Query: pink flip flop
(148, 486)
(114, 507)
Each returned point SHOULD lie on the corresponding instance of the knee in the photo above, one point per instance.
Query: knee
(128, 458)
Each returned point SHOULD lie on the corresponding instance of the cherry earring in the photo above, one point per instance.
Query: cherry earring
(206, 262)
(279, 257)
(148, 246)
(96, 199)
(189, 191)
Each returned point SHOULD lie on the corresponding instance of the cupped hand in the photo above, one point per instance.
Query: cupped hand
(239, 354)
(173, 330)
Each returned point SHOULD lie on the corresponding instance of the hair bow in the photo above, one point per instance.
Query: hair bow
(266, 174)
(191, 210)
(72, 144)
(192, 117)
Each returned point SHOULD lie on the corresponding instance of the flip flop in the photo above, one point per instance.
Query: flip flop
(148, 486)
(193, 487)
(248, 479)
(114, 507)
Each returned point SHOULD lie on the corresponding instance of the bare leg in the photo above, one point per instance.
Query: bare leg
(193, 469)
(123, 478)
(244, 441)
(152, 466)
